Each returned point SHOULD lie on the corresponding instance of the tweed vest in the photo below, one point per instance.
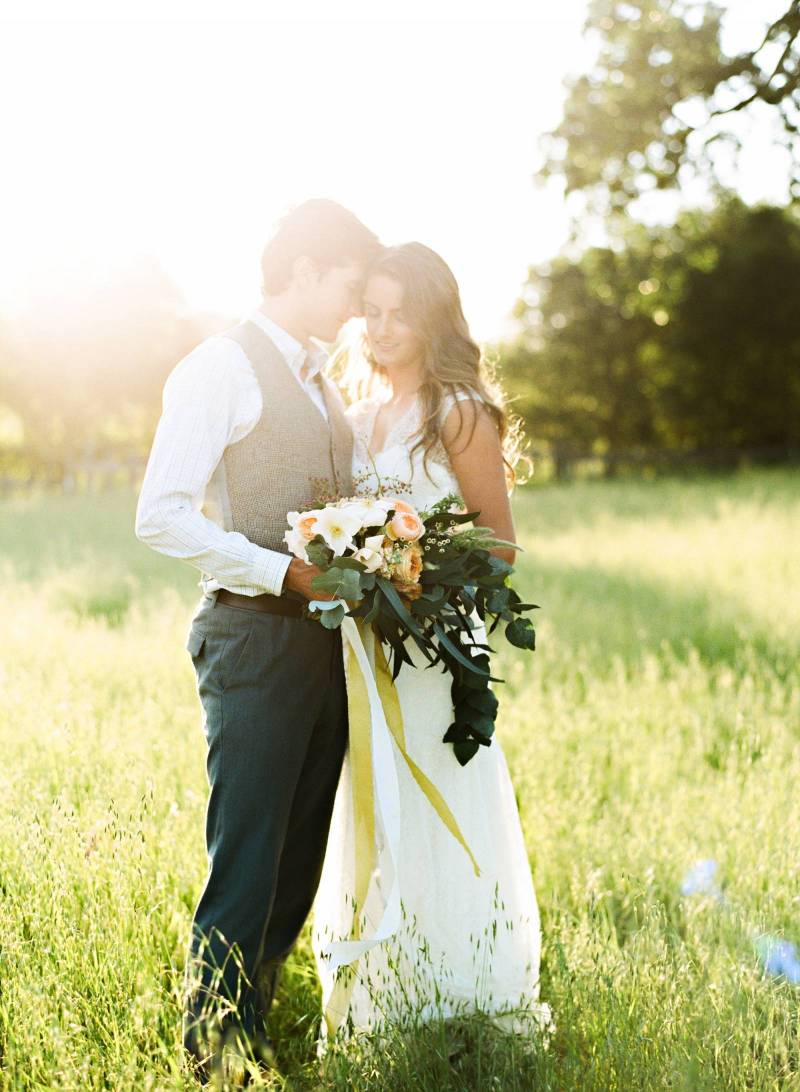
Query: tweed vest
(292, 459)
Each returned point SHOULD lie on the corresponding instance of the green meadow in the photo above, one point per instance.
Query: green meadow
(656, 725)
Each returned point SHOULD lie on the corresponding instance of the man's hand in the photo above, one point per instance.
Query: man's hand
(298, 579)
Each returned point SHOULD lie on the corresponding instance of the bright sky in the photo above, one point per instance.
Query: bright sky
(182, 128)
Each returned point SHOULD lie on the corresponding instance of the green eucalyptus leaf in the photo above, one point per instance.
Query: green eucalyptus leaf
(521, 633)
(373, 609)
(465, 749)
(497, 600)
(484, 701)
(350, 563)
(471, 663)
(338, 583)
(318, 552)
(476, 723)
(332, 619)
(482, 727)
(399, 607)
(477, 682)
(464, 745)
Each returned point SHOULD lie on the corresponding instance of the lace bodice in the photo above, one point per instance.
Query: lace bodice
(400, 471)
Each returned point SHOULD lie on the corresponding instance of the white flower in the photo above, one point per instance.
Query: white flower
(371, 553)
(337, 527)
(297, 544)
(305, 523)
(371, 511)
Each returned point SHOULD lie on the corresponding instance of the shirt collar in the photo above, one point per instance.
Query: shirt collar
(290, 348)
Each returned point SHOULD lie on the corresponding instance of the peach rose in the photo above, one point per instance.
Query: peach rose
(409, 568)
(406, 525)
(400, 505)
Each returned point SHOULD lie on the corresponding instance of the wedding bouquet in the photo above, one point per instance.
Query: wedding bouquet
(420, 576)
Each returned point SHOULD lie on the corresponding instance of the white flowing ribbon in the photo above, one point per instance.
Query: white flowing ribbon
(387, 810)
(377, 740)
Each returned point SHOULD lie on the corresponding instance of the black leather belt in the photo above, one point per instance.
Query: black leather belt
(264, 604)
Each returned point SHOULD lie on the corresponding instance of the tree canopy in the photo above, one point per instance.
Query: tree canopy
(661, 97)
(685, 338)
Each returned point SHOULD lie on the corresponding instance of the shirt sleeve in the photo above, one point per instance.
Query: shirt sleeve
(211, 399)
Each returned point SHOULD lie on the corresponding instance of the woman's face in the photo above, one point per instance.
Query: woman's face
(391, 340)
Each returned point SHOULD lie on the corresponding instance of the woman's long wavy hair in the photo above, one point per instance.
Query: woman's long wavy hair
(453, 362)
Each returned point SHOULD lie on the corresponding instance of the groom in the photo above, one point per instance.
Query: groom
(251, 430)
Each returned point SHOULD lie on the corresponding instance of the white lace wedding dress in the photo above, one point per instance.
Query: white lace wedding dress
(465, 942)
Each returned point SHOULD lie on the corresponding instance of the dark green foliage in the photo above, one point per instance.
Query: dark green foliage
(520, 632)
(686, 338)
(680, 340)
(460, 580)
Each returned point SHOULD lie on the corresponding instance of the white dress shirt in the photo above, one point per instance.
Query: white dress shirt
(212, 399)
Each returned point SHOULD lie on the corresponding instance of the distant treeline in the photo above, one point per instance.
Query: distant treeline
(81, 379)
(680, 346)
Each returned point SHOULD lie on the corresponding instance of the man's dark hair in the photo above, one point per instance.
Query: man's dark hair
(318, 229)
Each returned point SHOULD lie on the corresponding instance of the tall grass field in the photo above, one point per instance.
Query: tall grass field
(657, 725)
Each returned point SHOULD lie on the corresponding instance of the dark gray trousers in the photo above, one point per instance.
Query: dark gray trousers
(275, 720)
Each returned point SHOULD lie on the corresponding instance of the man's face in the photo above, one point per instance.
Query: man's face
(332, 299)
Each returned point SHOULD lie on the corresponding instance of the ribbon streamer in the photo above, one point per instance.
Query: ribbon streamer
(376, 722)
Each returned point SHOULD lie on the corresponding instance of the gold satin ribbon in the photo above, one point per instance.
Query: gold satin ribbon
(361, 772)
(394, 718)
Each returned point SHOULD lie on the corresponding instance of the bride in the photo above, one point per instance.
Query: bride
(433, 426)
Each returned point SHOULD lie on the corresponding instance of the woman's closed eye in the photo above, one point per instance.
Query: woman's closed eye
(373, 312)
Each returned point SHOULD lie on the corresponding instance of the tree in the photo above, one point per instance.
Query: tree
(685, 337)
(585, 356)
(84, 375)
(661, 98)
(734, 346)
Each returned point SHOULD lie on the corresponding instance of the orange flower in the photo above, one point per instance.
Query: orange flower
(401, 505)
(409, 569)
(306, 524)
(406, 591)
(406, 525)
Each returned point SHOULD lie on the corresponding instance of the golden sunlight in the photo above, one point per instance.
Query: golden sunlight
(184, 140)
